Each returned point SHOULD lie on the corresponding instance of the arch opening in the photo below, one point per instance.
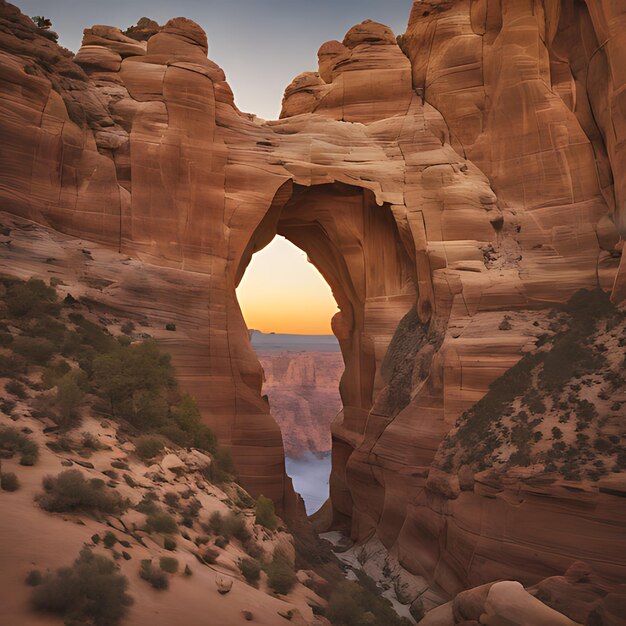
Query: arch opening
(356, 246)
(288, 306)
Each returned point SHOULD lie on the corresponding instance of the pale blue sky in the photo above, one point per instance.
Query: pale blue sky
(260, 44)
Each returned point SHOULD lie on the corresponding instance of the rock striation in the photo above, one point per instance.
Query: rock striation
(469, 174)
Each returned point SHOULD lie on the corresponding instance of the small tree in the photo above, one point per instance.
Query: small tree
(265, 513)
(280, 575)
(251, 570)
(42, 22)
(69, 397)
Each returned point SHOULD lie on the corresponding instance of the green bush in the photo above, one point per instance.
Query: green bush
(54, 372)
(69, 398)
(36, 350)
(280, 575)
(31, 299)
(187, 417)
(9, 482)
(356, 603)
(148, 447)
(265, 513)
(235, 526)
(69, 492)
(50, 329)
(12, 441)
(91, 591)
(15, 388)
(251, 570)
(109, 539)
(134, 379)
(169, 564)
(161, 522)
(154, 576)
(222, 468)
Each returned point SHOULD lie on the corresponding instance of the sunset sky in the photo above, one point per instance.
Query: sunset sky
(261, 44)
(282, 292)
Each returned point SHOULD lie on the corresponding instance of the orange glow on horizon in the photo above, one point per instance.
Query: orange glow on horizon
(282, 292)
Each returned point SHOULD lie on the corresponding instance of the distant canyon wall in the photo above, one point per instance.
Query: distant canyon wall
(470, 170)
(303, 393)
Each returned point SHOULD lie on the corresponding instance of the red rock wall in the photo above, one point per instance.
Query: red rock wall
(474, 175)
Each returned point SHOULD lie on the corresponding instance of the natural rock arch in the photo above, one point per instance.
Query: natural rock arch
(355, 245)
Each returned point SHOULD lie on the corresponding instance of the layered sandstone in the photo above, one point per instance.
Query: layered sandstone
(474, 171)
(303, 393)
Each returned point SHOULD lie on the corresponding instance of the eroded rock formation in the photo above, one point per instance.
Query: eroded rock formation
(474, 171)
(303, 392)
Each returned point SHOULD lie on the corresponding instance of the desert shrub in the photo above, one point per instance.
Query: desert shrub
(222, 467)
(92, 336)
(91, 591)
(148, 447)
(251, 570)
(187, 417)
(235, 526)
(34, 578)
(36, 350)
(12, 441)
(253, 549)
(134, 378)
(109, 539)
(91, 442)
(169, 564)
(9, 482)
(69, 491)
(280, 575)
(32, 298)
(221, 542)
(161, 522)
(15, 388)
(187, 571)
(169, 544)
(127, 327)
(216, 523)
(171, 499)
(147, 504)
(69, 398)
(356, 603)
(50, 329)
(209, 555)
(7, 406)
(54, 372)
(265, 513)
(154, 576)
(12, 365)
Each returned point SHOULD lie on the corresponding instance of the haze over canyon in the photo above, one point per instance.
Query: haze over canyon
(461, 187)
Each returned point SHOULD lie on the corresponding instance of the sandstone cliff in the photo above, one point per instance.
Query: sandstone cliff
(471, 171)
(303, 393)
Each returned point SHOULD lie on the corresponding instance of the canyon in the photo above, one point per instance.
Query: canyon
(301, 380)
(456, 186)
